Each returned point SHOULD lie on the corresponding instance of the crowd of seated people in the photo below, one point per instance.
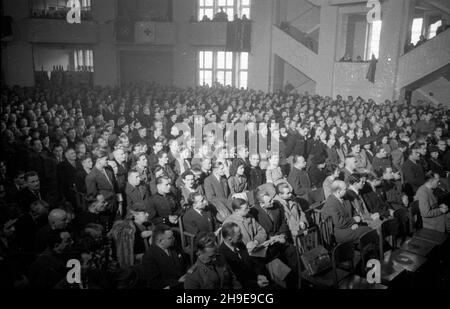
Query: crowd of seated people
(101, 175)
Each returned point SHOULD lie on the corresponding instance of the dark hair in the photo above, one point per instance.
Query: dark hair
(281, 186)
(30, 174)
(228, 229)
(205, 240)
(237, 203)
(193, 195)
(429, 175)
(160, 179)
(187, 173)
(160, 230)
(235, 165)
(354, 178)
(160, 154)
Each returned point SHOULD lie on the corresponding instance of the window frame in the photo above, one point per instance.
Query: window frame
(237, 8)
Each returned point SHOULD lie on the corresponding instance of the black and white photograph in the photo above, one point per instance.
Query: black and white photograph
(219, 152)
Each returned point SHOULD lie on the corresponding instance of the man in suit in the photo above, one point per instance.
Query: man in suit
(255, 175)
(434, 216)
(217, 191)
(271, 217)
(346, 226)
(211, 271)
(197, 218)
(101, 180)
(250, 272)
(355, 200)
(31, 191)
(412, 171)
(66, 175)
(136, 192)
(120, 157)
(299, 179)
(163, 267)
(163, 206)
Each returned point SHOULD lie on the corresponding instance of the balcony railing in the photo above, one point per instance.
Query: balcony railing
(59, 13)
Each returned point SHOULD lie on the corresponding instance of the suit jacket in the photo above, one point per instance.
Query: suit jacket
(432, 217)
(375, 202)
(161, 270)
(139, 194)
(255, 178)
(66, 179)
(299, 180)
(218, 275)
(161, 207)
(243, 266)
(122, 175)
(342, 216)
(97, 183)
(80, 180)
(413, 174)
(194, 223)
(215, 190)
(272, 219)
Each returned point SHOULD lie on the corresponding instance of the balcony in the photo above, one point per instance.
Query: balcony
(40, 30)
(208, 33)
(424, 59)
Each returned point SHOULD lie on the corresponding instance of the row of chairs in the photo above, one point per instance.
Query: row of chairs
(381, 245)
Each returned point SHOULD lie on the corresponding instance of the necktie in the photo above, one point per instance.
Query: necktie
(107, 177)
(236, 250)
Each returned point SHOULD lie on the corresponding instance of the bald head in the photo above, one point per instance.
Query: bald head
(338, 188)
(57, 219)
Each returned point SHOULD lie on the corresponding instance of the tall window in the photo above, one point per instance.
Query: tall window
(224, 72)
(243, 70)
(231, 7)
(205, 67)
(225, 68)
(416, 30)
(83, 57)
(228, 7)
(373, 46)
(433, 28)
(245, 8)
(206, 7)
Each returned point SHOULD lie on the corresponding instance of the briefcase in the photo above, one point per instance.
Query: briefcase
(316, 260)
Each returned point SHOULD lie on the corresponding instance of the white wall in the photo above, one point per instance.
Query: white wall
(48, 57)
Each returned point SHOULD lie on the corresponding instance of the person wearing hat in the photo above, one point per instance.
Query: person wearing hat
(271, 217)
(381, 159)
(131, 236)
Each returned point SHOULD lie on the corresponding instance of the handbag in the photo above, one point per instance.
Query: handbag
(316, 260)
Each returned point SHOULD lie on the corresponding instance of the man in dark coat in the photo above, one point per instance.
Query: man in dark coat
(197, 218)
(413, 174)
(163, 267)
(163, 208)
(346, 227)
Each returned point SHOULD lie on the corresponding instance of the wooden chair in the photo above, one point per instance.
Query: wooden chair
(187, 240)
(344, 269)
(368, 246)
(388, 234)
(326, 229)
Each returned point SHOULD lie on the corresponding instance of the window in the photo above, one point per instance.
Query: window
(416, 30)
(206, 68)
(83, 57)
(231, 7)
(245, 8)
(433, 28)
(373, 46)
(225, 68)
(206, 7)
(243, 70)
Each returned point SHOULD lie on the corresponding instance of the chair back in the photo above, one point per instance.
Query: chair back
(326, 229)
(369, 248)
(187, 240)
(308, 240)
(415, 219)
(342, 253)
(389, 229)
